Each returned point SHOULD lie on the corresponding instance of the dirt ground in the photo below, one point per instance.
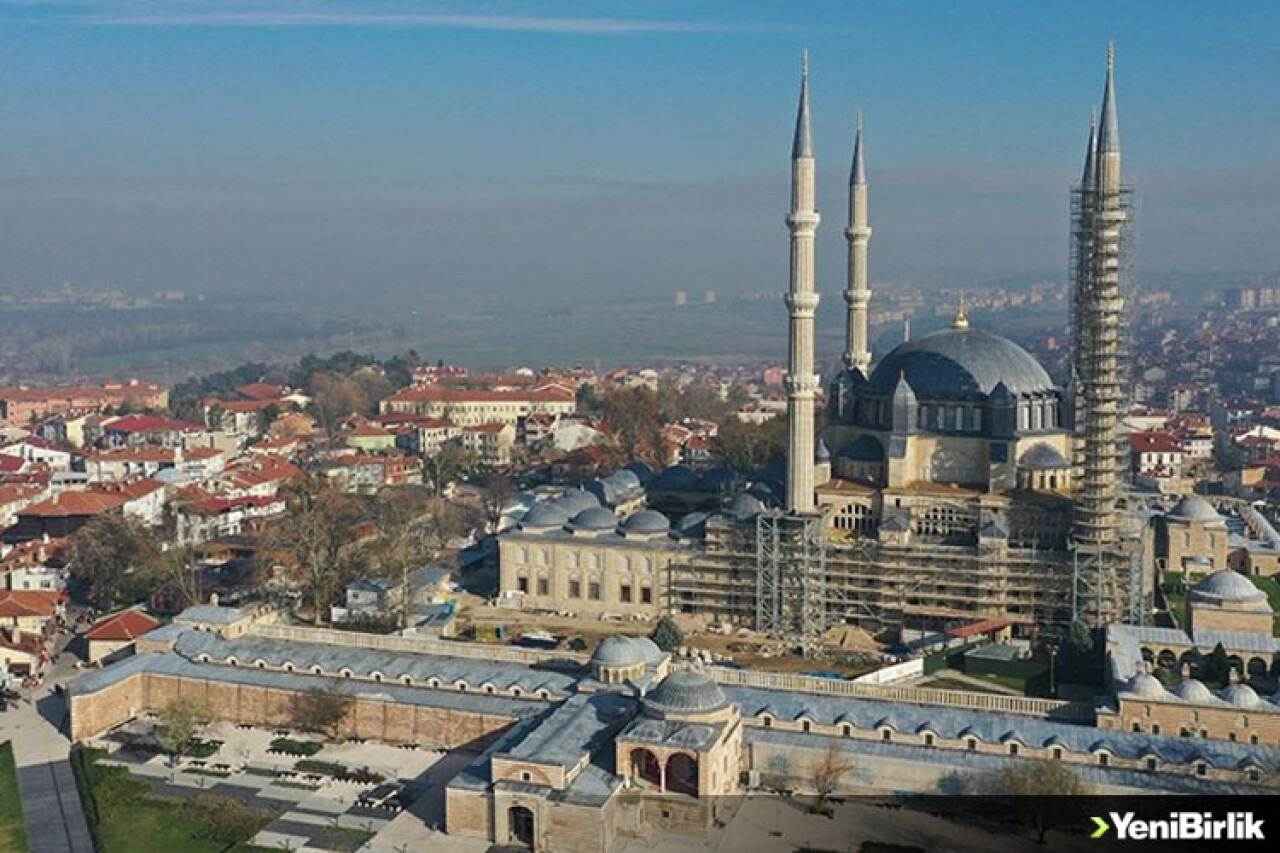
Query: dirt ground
(847, 651)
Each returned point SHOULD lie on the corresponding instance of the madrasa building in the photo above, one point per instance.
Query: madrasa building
(955, 482)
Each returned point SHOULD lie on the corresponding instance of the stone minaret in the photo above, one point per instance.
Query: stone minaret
(1100, 305)
(857, 353)
(802, 302)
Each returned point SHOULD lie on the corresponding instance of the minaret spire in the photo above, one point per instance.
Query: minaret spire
(857, 296)
(1091, 153)
(802, 303)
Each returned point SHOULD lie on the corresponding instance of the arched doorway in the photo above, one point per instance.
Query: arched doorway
(646, 768)
(682, 774)
(520, 823)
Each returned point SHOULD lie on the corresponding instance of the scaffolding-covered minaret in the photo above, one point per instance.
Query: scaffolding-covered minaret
(1101, 205)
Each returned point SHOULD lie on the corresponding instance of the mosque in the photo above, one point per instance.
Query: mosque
(954, 484)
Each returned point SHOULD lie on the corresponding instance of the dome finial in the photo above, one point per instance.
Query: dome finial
(962, 315)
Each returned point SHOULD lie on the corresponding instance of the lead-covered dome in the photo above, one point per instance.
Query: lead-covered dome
(594, 518)
(1195, 508)
(687, 691)
(618, 651)
(1147, 686)
(959, 365)
(545, 515)
(1227, 585)
(646, 522)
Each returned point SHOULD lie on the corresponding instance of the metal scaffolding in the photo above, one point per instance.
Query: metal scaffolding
(791, 575)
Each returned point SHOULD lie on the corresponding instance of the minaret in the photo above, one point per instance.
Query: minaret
(802, 302)
(857, 354)
(1100, 305)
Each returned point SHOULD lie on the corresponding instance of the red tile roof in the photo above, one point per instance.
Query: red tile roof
(73, 504)
(1154, 442)
(149, 423)
(22, 603)
(435, 393)
(10, 464)
(122, 626)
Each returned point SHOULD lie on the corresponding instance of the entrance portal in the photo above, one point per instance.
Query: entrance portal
(520, 821)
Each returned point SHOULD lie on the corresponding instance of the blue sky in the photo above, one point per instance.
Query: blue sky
(621, 148)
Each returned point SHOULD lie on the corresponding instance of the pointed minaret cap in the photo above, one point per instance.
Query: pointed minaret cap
(802, 145)
(1091, 155)
(858, 173)
(1109, 126)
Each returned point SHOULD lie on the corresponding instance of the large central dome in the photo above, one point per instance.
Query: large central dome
(960, 364)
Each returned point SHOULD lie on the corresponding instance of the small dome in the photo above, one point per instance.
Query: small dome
(642, 472)
(545, 515)
(1194, 691)
(649, 649)
(864, 449)
(822, 453)
(618, 651)
(693, 525)
(594, 518)
(1195, 508)
(604, 490)
(575, 501)
(677, 478)
(1043, 457)
(716, 479)
(647, 521)
(1241, 696)
(1147, 686)
(687, 691)
(744, 506)
(1227, 585)
(627, 479)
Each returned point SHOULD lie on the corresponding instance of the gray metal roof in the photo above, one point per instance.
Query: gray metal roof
(618, 650)
(802, 144)
(1043, 457)
(647, 521)
(1195, 508)
(210, 614)
(574, 730)
(687, 691)
(1228, 585)
(858, 172)
(1109, 132)
(959, 365)
(697, 736)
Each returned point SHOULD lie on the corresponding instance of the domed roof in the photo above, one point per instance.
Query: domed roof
(1147, 686)
(625, 478)
(1228, 585)
(545, 515)
(647, 521)
(677, 478)
(744, 506)
(576, 500)
(959, 364)
(642, 471)
(1043, 457)
(716, 479)
(595, 518)
(618, 651)
(694, 524)
(649, 649)
(1241, 696)
(1192, 690)
(1195, 508)
(687, 691)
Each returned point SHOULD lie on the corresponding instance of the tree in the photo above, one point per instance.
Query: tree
(745, 446)
(448, 521)
(587, 400)
(828, 772)
(1215, 667)
(180, 572)
(334, 397)
(267, 417)
(441, 468)
(1043, 790)
(321, 709)
(179, 722)
(497, 492)
(637, 422)
(667, 635)
(317, 532)
(112, 557)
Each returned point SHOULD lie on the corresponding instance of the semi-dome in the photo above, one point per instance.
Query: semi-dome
(863, 449)
(1227, 585)
(626, 478)
(692, 525)
(647, 521)
(744, 506)
(594, 518)
(618, 651)
(1192, 690)
(687, 691)
(1241, 696)
(642, 472)
(1147, 686)
(959, 365)
(545, 515)
(649, 650)
(1043, 457)
(1195, 508)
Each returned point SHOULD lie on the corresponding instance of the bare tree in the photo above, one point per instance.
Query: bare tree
(497, 492)
(317, 533)
(321, 710)
(1042, 792)
(441, 468)
(112, 557)
(180, 572)
(829, 771)
(179, 722)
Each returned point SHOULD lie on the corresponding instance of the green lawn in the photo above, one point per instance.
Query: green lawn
(1271, 586)
(125, 816)
(13, 829)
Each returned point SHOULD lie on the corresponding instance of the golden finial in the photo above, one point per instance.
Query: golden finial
(962, 315)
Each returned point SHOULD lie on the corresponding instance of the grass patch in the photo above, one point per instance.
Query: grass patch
(126, 816)
(13, 827)
(289, 746)
(343, 839)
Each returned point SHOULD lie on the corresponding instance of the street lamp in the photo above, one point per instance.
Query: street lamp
(1053, 670)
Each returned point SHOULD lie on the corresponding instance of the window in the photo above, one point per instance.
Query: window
(1104, 759)
(804, 726)
(1155, 728)
(1057, 753)
(1204, 733)
(1202, 769)
(1151, 764)
(624, 593)
(1253, 739)
(971, 744)
(886, 735)
(575, 589)
(928, 739)
(1254, 775)
(593, 590)
(543, 587)
(522, 584)
(847, 730)
(646, 595)
(526, 776)
(766, 721)
(1013, 749)
(1184, 732)
(1231, 736)
(1137, 726)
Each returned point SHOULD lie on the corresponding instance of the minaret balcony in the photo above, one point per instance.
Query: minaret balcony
(802, 304)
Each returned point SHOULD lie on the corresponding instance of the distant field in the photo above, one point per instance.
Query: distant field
(13, 829)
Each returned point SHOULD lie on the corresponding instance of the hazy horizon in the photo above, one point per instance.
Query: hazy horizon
(538, 152)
